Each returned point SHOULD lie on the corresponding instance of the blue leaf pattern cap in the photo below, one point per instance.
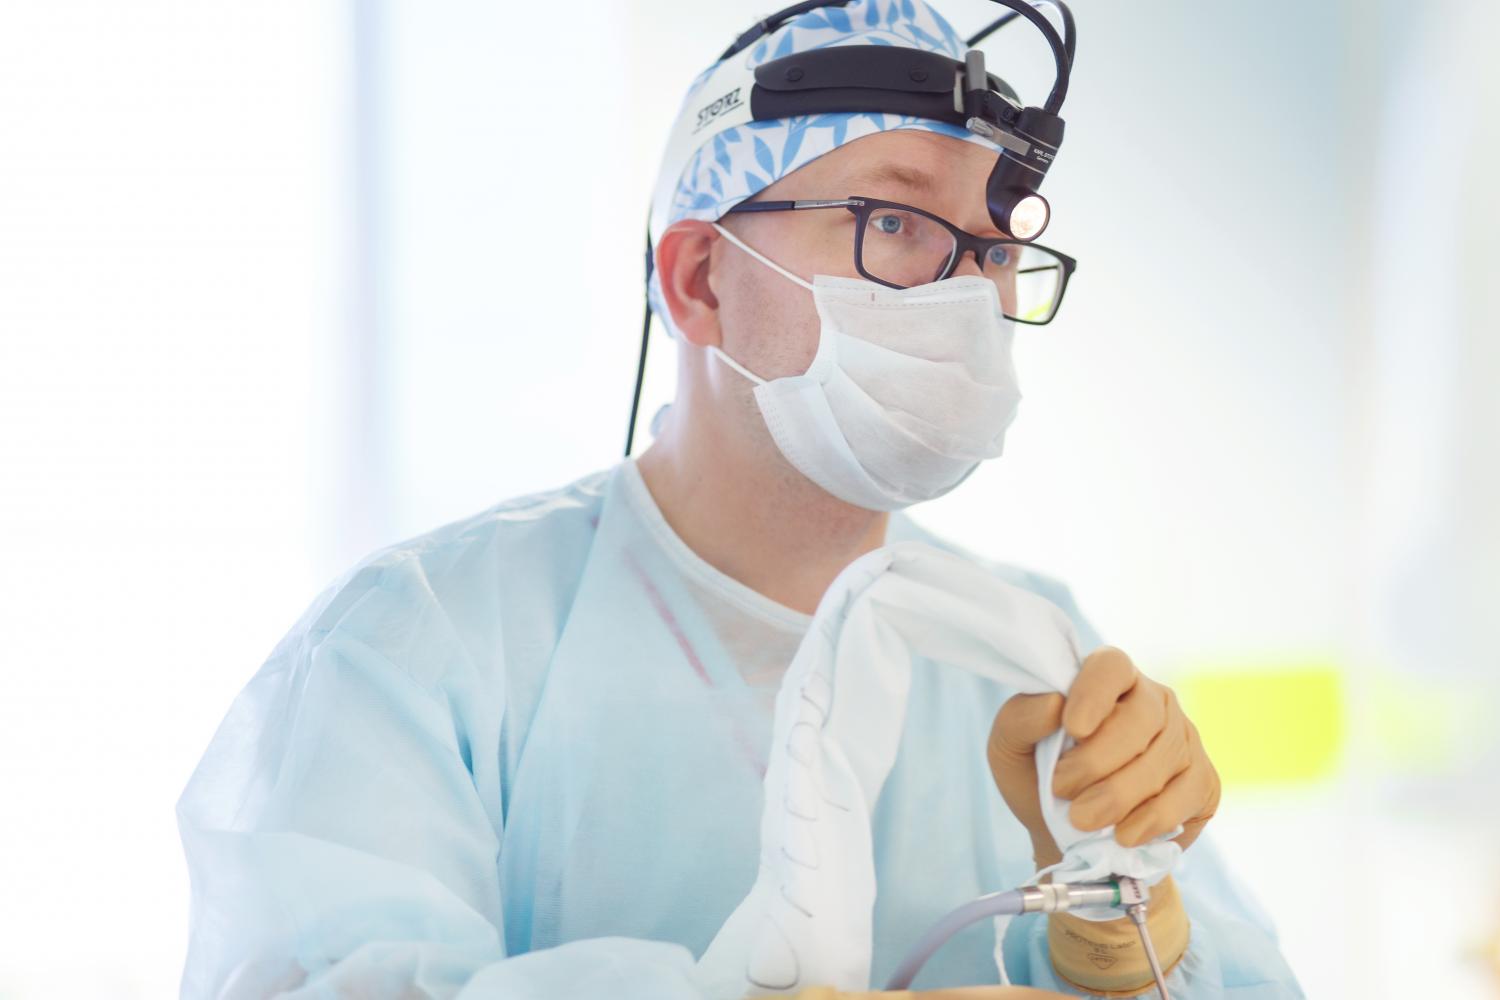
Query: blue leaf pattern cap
(737, 162)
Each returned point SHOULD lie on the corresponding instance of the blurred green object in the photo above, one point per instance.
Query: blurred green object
(1280, 724)
(1422, 726)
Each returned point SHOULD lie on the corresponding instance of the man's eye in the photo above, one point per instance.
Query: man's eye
(999, 256)
(888, 224)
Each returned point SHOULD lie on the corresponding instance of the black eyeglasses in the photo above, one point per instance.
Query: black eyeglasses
(901, 246)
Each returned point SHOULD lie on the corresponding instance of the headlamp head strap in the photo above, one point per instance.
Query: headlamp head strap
(882, 79)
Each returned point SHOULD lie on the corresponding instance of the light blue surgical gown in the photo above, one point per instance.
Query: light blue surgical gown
(522, 755)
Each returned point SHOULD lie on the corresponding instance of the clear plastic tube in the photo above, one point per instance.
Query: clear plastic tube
(1051, 898)
(993, 905)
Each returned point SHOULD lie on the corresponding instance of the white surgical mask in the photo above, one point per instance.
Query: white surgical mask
(910, 389)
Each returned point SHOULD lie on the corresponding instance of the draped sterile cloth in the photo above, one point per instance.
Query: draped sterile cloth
(839, 716)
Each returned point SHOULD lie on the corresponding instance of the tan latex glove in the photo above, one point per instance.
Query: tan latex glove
(952, 993)
(1138, 763)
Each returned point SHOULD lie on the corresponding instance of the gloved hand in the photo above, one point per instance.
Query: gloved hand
(1138, 763)
(951, 993)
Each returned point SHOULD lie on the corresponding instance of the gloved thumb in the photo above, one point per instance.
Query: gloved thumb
(1023, 722)
(950, 993)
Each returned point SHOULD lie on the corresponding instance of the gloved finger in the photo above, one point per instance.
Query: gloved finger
(1182, 798)
(1120, 738)
(981, 993)
(1194, 825)
(1115, 797)
(1107, 674)
(1023, 722)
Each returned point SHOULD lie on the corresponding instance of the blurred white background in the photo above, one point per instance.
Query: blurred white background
(282, 283)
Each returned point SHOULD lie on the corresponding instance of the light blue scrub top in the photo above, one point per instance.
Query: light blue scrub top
(521, 756)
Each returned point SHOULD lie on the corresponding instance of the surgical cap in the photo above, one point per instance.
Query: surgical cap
(732, 165)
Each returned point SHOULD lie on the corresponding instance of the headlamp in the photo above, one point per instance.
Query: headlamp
(883, 80)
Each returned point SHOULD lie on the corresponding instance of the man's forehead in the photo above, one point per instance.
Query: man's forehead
(882, 172)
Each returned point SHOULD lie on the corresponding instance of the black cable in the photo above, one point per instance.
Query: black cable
(640, 374)
(1069, 33)
(1062, 49)
(1067, 23)
(640, 367)
(990, 29)
(1062, 54)
(1069, 44)
(767, 25)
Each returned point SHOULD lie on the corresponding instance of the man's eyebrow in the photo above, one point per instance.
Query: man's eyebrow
(895, 173)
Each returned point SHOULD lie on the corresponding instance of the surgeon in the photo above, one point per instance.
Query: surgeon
(522, 755)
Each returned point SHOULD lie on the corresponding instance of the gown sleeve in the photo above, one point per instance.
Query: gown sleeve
(343, 828)
(1232, 950)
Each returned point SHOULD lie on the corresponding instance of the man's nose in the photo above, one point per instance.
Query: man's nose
(968, 264)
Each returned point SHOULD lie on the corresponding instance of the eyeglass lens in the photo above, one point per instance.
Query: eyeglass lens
(906, 248)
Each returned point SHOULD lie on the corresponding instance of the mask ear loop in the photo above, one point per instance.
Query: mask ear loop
(762, 258)
(714, 348)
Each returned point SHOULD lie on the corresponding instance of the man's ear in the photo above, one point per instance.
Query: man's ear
(682, 258)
